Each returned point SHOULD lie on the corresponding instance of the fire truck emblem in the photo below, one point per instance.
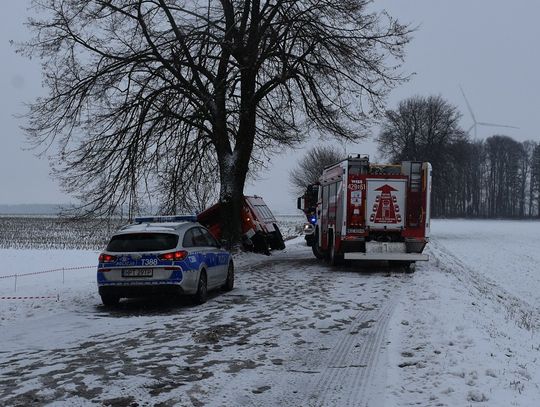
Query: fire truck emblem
(385, 208)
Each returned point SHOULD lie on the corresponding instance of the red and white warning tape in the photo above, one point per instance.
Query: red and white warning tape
(56, 297)
(48, 271)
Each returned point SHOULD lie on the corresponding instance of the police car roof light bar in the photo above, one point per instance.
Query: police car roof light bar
(161, 219)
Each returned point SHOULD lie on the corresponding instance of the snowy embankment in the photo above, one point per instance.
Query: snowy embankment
(467, 330)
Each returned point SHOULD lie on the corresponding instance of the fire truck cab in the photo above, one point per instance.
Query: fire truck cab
(373, 212)
(307, 203)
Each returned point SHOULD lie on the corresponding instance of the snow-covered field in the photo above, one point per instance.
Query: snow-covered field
(466, 332)
(462, 330)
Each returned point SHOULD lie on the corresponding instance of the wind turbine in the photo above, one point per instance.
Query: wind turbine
(477, 123)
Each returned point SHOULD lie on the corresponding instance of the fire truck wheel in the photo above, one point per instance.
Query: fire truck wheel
(334, 258)
(317, 252)
(407, 266)
(410, 267)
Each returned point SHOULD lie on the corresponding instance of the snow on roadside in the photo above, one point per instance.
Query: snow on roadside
(504, 251)
(460, 336)
(75, 287)
(291, 225)
(68, 289)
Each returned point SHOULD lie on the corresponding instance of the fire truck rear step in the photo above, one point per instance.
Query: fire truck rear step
(387, 256)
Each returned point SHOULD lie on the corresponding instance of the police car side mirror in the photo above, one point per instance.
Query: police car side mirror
(223, 243)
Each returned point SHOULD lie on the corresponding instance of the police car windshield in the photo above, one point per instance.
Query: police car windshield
(142, 242)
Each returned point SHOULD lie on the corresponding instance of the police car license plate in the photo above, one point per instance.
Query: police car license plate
(137, 272)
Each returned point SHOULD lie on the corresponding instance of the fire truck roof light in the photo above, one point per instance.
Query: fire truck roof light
(160, 219)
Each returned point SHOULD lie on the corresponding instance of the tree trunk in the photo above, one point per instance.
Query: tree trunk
(231, 199)
(233, 172)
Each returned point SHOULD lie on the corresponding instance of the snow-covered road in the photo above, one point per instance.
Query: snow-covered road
(461, 331)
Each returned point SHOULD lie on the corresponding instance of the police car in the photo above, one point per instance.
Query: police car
(171, 255)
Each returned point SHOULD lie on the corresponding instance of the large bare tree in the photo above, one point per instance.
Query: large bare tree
(142, 94)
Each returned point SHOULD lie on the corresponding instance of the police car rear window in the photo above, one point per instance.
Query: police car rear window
(142, 242)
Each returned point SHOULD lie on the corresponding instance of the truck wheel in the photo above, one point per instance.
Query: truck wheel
(317, 252)
(410, 267)
(277, 239)
(260, 244)
(334, 258)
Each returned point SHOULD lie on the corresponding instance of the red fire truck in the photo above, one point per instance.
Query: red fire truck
(373, 212)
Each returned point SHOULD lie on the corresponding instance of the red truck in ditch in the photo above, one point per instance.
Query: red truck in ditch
(260, 231)
(369, 211)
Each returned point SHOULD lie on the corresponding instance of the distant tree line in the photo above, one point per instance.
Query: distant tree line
(498, 177)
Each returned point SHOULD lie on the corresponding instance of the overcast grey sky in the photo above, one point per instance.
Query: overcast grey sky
(490, 47)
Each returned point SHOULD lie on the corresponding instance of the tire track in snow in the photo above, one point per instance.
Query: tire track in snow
(352, 366)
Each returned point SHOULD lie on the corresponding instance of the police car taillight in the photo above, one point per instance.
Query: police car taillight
(106, 258)
(179, 255)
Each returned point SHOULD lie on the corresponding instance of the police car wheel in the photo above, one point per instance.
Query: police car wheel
(229, 282)
(110, 300)
(202, 289)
